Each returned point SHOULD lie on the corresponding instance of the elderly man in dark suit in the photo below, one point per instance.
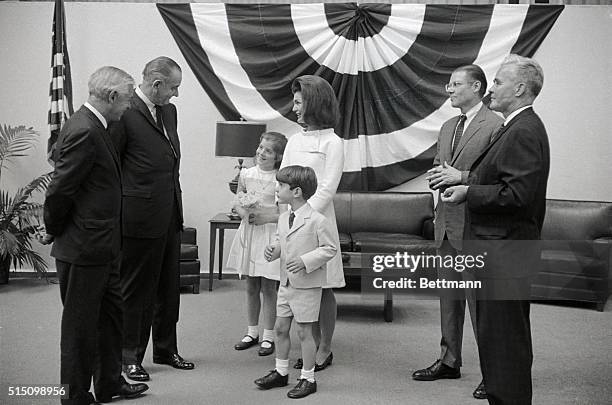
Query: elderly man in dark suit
(457, 150)
(82, 213)
(152, 219)
(506, 201)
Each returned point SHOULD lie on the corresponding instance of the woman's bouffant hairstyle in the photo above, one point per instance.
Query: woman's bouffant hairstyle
(279, 141)
(319, 104)
(303, 177)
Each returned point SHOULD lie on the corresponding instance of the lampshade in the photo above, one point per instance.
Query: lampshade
(238, 138)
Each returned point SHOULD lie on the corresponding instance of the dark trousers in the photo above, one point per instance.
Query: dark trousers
(504, 346)
(91, 330)
(452, 310)
(150, 289)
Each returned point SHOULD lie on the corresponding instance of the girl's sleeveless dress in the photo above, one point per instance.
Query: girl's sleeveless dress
(246, 254)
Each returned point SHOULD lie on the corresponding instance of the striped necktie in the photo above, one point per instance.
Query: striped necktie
(458, 131)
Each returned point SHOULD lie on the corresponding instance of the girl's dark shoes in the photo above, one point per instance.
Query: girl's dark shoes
(266, 351)
(245, 345)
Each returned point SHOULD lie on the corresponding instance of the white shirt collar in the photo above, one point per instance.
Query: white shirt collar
(515, 113)
(97, 114)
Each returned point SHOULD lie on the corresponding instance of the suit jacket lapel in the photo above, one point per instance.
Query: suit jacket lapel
(169, 120)
(140, 105)
(172, 138)
(446, 145)
(500, 134)
(469, 132)
(299, 222)
(105, 136)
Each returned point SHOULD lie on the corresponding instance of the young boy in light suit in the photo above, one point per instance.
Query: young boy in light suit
(304, 244)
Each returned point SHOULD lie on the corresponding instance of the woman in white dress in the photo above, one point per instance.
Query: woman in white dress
(318, 147)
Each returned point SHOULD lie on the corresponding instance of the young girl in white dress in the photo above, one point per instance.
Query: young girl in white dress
(256, 206)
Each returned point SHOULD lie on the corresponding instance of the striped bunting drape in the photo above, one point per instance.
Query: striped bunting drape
(60, 88)
(387, 63)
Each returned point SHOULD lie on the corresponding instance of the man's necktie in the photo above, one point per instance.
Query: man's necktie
(458, 131)
(291, 218)
(158, 118)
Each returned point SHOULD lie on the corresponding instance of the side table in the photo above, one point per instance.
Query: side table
(219, 222)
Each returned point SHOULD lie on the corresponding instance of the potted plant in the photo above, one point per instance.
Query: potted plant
(19, 216)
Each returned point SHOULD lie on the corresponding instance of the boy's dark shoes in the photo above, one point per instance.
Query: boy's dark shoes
(245, 345)
(299, 364)
(272, 380)
(266, 351)
(302, 389)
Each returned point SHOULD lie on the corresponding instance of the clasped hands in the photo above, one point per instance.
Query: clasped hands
(443, 176)
(449, 178)
(42, 236)
(272, 252)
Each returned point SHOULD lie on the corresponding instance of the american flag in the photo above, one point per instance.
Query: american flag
(388, 64)
(60, 88)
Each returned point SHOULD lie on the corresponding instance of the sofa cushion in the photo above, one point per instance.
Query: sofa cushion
(346, 242)
(189, 235)
(577, 220)
(386, 212)
(376, 242)
(189, 252)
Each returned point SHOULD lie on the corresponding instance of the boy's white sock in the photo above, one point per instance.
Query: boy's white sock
(252, 331)
(268, 334)
(282, 367)
(308, 375)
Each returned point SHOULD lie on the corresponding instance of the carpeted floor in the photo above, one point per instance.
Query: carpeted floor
(373, 360)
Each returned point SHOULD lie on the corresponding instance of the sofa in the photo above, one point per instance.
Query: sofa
(382, 222)
(576, 252)
(189, 265)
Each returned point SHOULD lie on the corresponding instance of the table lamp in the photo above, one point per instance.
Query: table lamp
(238, 139)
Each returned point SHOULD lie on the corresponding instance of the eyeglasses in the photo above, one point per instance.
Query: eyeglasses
(454, 85)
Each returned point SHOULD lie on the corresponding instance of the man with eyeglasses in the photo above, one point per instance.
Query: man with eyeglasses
(460, 142)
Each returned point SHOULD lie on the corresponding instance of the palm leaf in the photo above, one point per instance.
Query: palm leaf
(14, 142)
(13, 208)
(18, 216)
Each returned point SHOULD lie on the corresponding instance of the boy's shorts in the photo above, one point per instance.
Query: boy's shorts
(301, 303)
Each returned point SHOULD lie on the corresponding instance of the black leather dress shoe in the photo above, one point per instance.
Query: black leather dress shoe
(272, 380)
(126, 391)
(436, 371)
(266, 351)
(326, 363)
(175, 361)
(245, 345)
(302, 389)
(480, 392)
(136, 372)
